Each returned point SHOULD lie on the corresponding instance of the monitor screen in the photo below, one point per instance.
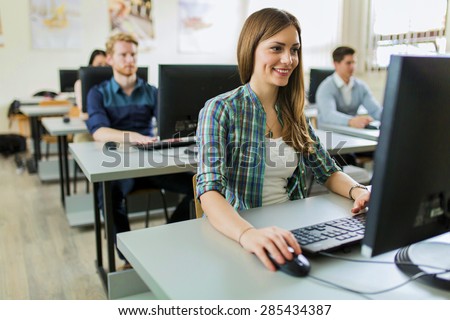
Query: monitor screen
(410, 198)
(91, 76)
(183, 91)
(67, 79)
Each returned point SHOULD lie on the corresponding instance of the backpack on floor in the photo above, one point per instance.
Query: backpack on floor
(12, 144)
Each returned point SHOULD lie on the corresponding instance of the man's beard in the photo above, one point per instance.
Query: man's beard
(127, 71)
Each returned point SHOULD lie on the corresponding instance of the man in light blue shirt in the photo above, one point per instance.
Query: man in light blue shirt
(340, 95)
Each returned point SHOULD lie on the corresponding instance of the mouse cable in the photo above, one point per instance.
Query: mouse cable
(364, 293)
(412, 278)
(333, 256)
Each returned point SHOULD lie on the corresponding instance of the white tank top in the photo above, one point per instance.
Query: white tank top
(281, 162)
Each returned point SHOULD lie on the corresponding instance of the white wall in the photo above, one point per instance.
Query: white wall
(166, 51)
(25, 70)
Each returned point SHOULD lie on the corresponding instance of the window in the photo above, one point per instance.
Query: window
(405, 27)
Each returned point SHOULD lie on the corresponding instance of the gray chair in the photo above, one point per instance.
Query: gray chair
(316, 76)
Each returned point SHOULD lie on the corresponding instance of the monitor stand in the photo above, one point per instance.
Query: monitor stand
(423, 254)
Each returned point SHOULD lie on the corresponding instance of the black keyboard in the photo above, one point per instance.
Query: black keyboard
(331, 235)
(158, 145)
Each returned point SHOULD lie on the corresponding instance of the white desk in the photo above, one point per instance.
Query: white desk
(360, 133)
(34, 112)
(28, 101)
(102, 166)
(57, 127)
(343, 144)
(191, 260)
(312, 113)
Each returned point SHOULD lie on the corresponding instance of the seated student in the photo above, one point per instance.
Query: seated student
(340, 95)
(255, 143)
(97, 59)
(121, 110)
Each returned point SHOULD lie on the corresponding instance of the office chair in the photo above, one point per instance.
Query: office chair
(91, 76)
(46, 94)
(198, 207)
(149, 192)
(316, 76)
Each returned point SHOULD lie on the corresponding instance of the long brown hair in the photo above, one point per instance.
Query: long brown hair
(258, 27)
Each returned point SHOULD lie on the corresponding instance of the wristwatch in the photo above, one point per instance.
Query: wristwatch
(356, 186)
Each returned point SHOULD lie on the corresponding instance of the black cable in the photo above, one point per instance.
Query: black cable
(412, 278)
(330, 255)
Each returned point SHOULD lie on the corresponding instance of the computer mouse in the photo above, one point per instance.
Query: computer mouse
(373, 125)
(66, 119)
(111, 145)
(299, 266)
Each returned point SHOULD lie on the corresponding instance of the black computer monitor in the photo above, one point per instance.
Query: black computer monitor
(91, 76)
(316, 76)
(67, 79)
(410, 198)
(183, 91)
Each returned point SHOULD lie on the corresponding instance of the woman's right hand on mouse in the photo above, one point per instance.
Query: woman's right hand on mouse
(270, 240)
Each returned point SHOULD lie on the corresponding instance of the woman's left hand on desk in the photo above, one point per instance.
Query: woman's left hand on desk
(361, 202)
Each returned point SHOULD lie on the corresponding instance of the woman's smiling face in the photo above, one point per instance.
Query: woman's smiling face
(276, 58)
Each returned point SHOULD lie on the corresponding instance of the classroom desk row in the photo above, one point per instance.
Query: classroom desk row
(34, 113)
(368, 134)
(192, 260)
(57, 127)
(101, 167)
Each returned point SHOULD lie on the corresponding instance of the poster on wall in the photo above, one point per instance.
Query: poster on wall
(55, 24)
(2, 41)
(207, 26)
(135, 17)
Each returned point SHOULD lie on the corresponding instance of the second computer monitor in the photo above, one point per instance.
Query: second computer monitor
(183, 91)
(67, 79)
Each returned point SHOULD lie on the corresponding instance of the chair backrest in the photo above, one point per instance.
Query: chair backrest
(316, 76)
(74, 112)
(198, 206)
(91, 76)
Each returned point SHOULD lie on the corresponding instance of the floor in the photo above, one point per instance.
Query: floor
(41, 256)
